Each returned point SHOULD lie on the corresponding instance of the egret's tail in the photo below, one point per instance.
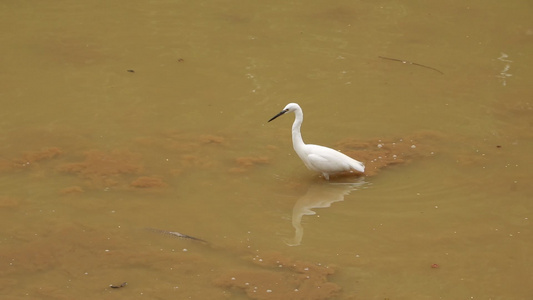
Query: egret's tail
(359, 166)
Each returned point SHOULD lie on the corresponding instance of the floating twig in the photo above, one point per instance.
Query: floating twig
(411, 63)
(175, 233)
(118, 286)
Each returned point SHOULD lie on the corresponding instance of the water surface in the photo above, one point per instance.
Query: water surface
(123, 116)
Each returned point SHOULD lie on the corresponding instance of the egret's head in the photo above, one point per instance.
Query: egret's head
(289, 108)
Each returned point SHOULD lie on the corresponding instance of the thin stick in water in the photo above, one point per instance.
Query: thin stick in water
(411, 63)
(175, 233)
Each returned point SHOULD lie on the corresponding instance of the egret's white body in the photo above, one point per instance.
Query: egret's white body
(318, 158)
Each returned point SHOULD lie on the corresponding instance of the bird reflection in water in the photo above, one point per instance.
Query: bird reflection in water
(319, 195)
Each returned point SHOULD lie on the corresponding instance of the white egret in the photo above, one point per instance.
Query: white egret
(318, 158)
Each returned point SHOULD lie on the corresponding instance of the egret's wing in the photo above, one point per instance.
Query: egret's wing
(325, 163)
(325, 159)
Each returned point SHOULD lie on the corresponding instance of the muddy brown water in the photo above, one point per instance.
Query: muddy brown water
(122, 116)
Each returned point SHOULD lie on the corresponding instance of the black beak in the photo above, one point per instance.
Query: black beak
(282, 112)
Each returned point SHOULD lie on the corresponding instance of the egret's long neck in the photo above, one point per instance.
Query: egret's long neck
(297, 141)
